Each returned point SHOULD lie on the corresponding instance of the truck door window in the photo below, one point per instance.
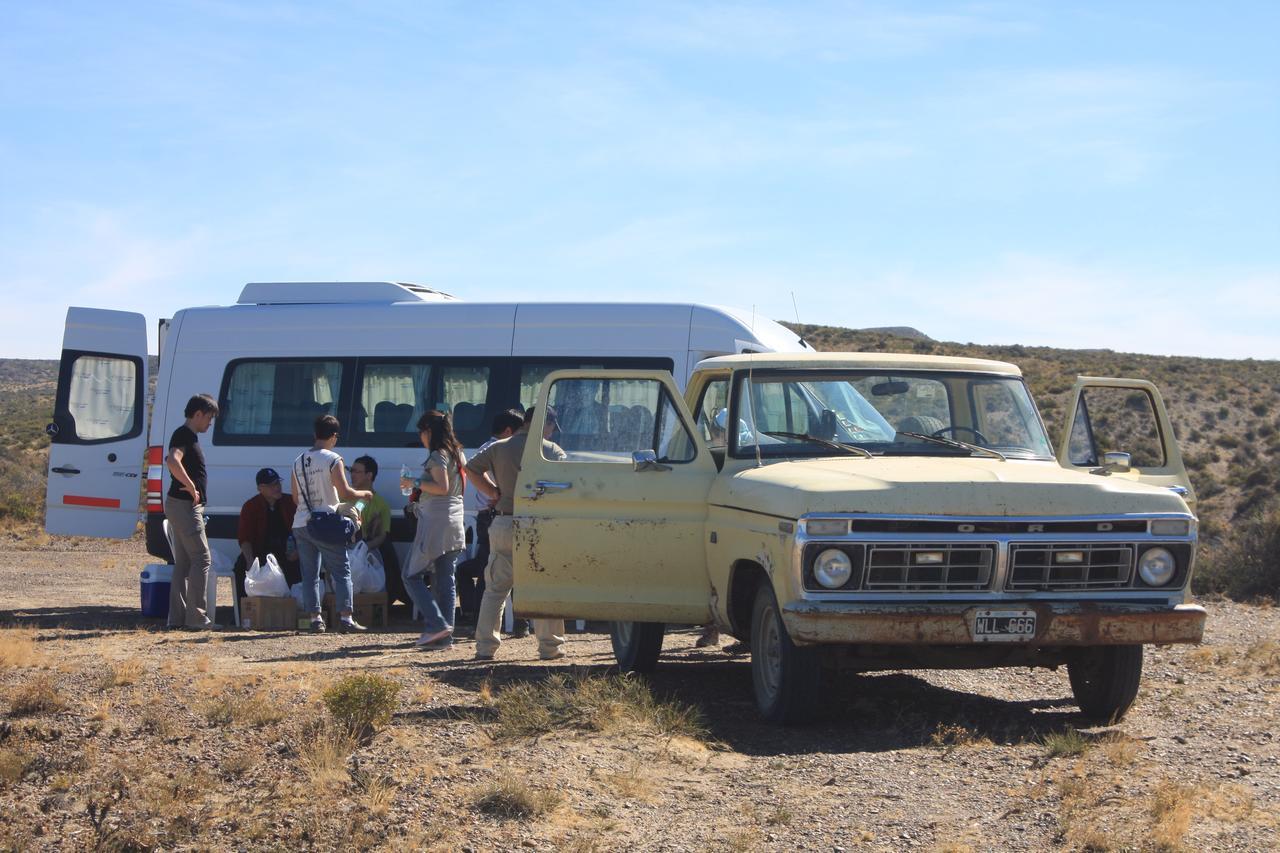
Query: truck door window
(606, 420)
(713, 414)
(102, 397)
(1122, 419)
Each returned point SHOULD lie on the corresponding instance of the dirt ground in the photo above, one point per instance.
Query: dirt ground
(118, 735)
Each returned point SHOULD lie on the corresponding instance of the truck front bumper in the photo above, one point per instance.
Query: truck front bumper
(1057, 623)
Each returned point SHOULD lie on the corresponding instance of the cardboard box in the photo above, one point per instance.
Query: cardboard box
(370, 609)
(264, 613)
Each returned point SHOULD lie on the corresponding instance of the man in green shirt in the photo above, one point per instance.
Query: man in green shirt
(375, 525)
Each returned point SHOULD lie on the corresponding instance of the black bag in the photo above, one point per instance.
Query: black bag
(331, 528)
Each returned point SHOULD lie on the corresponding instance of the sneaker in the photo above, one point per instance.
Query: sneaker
(710, 637)
(317, 626)
(429, 638)
(556, 655)
(483, 656)
(348, 623)
(446, 643)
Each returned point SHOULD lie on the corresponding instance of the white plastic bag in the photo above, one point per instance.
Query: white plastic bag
(375, 574)
(358, 560)
(266, 579)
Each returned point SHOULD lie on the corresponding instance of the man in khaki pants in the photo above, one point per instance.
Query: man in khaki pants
(494, 471)
(184, 510)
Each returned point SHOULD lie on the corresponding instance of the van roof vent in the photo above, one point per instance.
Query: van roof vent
(320, 292)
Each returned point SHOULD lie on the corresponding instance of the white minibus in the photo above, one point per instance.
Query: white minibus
(375, 354)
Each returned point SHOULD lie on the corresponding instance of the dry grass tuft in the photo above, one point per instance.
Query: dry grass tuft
(18, 648)
(424, 693)
(1229, 803)
(513, 799)
(37, 695)
(378, 790)
(950, 736)
(234, 707)
(1064, 743)
(634, 783)
(600, 704)
(13, 764)
(323, 750)
(153, 720)
(238, 764)
(1264, 657)
(1120, 749)
(121, 674)
(1172, 806)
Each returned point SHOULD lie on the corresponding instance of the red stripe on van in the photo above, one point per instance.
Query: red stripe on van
(82, 500)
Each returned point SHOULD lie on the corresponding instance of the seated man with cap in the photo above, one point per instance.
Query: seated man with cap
(265, 522)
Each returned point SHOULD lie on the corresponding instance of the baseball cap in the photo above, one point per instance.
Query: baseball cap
(267, 476)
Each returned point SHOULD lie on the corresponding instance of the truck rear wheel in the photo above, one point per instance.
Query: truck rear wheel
(787, 678)
(1105, 680)
(637, 645)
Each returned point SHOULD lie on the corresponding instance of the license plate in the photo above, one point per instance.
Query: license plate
(1003, 626)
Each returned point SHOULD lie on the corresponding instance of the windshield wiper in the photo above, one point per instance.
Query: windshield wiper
(953, 442)
(834, 445)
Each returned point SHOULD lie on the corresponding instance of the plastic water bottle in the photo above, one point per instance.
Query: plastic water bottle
(408, 482)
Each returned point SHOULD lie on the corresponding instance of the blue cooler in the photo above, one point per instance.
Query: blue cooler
(156, 579)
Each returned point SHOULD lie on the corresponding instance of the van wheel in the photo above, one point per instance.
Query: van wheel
(1105, 680)
(787, 678)
(636, 645)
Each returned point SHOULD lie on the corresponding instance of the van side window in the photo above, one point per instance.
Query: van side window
(606, 420)
(102, 397)
(392, 395)
(391, 398)
(278, 398)
(463, 391)
(533, 371)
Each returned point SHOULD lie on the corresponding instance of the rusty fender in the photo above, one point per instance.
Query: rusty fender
(1057, 623)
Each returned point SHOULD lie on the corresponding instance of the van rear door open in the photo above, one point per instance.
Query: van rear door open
(98, 436)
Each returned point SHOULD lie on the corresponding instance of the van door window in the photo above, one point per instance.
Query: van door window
(102, 397)
(606, 420)
(278, 399)
(463, 392)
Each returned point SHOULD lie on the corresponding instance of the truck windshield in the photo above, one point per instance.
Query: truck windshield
(876, 411)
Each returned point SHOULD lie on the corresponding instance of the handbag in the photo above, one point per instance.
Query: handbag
(324, 526)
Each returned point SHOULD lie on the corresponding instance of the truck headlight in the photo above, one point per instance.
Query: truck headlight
(1157, 566)
(832, 568)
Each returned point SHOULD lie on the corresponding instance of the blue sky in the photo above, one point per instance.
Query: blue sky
(1063, 174)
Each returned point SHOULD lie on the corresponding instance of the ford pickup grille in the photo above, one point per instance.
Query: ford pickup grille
(1060, 566)
(910, 567)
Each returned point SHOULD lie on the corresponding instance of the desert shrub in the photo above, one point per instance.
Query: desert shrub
(362, 703)
(36, 695)
(1066, 742)
(1247, 565)
(13, 764)
(514, 799)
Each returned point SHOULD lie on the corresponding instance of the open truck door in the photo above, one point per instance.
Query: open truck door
(1120, 427)
(98, 436)
(615, 530)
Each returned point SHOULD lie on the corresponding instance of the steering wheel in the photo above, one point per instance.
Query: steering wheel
(982, 439)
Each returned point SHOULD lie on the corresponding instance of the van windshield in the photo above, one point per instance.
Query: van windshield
(780, 413)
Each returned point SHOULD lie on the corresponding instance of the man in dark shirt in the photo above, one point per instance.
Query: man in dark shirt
(266, 522)
(188, 598)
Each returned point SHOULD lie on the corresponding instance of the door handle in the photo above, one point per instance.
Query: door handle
(540, 487)
(62, 470)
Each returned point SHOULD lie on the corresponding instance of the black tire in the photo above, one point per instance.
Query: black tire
(787, 678)
(637, 645)
(1105, 680)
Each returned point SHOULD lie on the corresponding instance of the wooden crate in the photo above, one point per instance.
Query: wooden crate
(370, 609)
(266, 613)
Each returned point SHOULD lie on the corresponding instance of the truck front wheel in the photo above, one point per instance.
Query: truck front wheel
(787, 678)
(1105, 680)
(636, 645)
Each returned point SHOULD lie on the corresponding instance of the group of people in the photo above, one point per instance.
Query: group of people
(273, 522)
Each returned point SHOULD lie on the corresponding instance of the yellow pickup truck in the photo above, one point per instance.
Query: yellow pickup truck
(859, 512)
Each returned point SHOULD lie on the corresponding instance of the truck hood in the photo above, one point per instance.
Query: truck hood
(919, 485)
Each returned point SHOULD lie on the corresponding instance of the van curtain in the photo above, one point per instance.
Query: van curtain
(101, 397)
